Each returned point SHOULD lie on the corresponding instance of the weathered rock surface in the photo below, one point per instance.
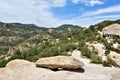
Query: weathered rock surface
(25, 70)
(99, 48)
(64, 62)
(113, 29)
(116, 76)
(17, 63)
(115, 57)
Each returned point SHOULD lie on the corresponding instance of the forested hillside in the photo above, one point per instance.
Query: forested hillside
(30, 42)
(13, 34)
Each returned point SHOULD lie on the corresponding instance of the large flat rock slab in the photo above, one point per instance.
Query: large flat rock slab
(64, 62)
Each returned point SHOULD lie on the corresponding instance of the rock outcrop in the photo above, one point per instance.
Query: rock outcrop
(17, 63)
(64, 62)
(25, 70)
(113, 29)
(115, 57)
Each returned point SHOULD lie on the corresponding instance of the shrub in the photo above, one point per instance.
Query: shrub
(18, 52)
(64, 53)
(3, 63)
(112, 62)
(106, 64)
(107, 52)
(70, 47)
(85, 52)
(109, 46)
(96, 59)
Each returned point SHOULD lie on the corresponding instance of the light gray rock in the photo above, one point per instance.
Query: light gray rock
(112, 30)
(64, 62)
(18, 62)
(116, 76)
(25, 70)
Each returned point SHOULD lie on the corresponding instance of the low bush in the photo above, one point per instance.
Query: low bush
(107, 52)
(112, 62)
(106, 64)
(85, 52)
(96, 59)
(3, 63)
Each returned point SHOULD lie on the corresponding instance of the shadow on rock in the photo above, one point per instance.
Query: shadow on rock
(80, 70)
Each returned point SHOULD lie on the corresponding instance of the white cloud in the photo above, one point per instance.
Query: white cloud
(76, 1)
(113, 9)
(87, 21)
(30, 11)
(39, 12)
(59, 3)
(89, 2)
(95, 2)
(54, 3)
(93, 17)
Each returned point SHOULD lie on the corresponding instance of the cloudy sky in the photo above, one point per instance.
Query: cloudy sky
(52, 13)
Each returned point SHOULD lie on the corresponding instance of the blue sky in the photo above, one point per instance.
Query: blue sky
(52, 13)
